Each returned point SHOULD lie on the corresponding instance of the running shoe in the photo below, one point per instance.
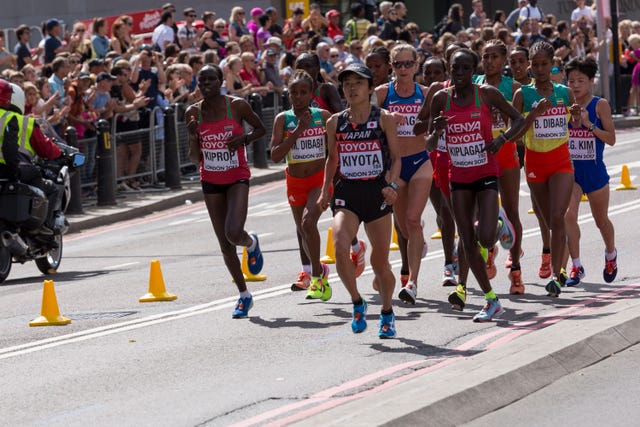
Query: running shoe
(242, 307)
(359, 323)
(553, 288)
(315, 290)
(302, 284)
(509, 262)
(575, 276)
(492, 270)
(517, 287)
(507, 235)
(492, 309)
(387, 326)
(545, 266)
(408, 293)
(563, 277)
(610, 269)
(449, 276)
(458, 298)
(254, 256)
(358, 258)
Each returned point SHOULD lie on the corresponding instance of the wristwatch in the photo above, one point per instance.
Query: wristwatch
(592, 127)
(394, 186)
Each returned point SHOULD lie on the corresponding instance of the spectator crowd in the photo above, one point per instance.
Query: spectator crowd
(77, 76)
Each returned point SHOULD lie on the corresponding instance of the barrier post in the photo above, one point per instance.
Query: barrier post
(105, 163)
(75, 203)
(171, 153)
(259, 146)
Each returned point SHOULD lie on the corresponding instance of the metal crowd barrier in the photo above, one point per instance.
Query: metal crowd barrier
(165, 150)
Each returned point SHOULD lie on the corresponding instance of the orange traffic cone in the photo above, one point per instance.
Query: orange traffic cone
(248, 276)
(394, 239)
(330, 253)
(625, 180)
(49, 314)
(157, 290)
(584, 198)
(437, 234)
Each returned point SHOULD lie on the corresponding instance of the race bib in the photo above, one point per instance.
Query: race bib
(552, 124)
(442, 143)
(468, 155)
(497, 123)
(219, 160)
(582, 144)
(308, 147)
(361, 159)
(409, 113)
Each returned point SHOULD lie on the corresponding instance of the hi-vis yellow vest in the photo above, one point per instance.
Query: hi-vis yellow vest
(25, 125)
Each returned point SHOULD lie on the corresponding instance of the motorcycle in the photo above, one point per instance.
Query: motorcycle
(23, 212)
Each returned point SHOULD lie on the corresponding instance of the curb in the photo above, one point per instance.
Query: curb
(621, 122)
(478, 385)
(101, 216)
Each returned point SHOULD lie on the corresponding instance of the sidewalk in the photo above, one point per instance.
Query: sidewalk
(130, 205)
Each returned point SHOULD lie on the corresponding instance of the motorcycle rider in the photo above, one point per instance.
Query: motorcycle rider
(30, 141)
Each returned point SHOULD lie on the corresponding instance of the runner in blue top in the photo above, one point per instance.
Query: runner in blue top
(586, 145)
(403, 98)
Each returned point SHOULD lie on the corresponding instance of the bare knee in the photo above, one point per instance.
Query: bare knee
(234, 236)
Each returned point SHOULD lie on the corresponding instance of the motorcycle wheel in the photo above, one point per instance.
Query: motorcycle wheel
(50, 263)
(5, 263)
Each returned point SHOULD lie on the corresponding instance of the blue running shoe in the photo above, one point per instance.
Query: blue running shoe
(610, 270)
(492, 309)
(242, 307)
(507, 233)
(359, 323)
(575, 276)
(553, 288)
(387, 326)
(254, 256)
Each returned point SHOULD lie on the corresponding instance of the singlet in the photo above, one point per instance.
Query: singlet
(408, 107)
(467, 132)
(363, 151)
(550, 130)
(219, 166)
(317, 101)
(506, 89)
(584, 146)
(309, 146)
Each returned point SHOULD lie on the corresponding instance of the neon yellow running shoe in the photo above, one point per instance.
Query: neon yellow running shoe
(458, 298)
(315, 289)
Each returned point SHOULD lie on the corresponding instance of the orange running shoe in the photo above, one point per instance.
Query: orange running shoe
(358, 258)
(302, 284)
(545, 266)
(517, 287)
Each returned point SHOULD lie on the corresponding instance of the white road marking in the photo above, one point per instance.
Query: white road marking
(113, 267)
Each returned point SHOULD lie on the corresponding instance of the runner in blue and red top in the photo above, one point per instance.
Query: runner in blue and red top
(464, 111)
(403, 98)
(217, 144)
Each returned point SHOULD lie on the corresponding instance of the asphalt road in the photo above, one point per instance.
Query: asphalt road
(187, 363)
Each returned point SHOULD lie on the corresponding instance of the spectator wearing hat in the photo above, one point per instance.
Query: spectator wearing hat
(254, 23)
(163, 34)
(270, 64)
(52, 43)
(333, 18)
(340, 45)
(237, 26)
(293, 28)
(79, 115)
(275, 29)
(187, 33)
(100, 98)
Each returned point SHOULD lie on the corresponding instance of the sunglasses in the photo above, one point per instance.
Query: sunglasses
(403, 64)
(192, 16)
(240, 13)
(334, 56)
